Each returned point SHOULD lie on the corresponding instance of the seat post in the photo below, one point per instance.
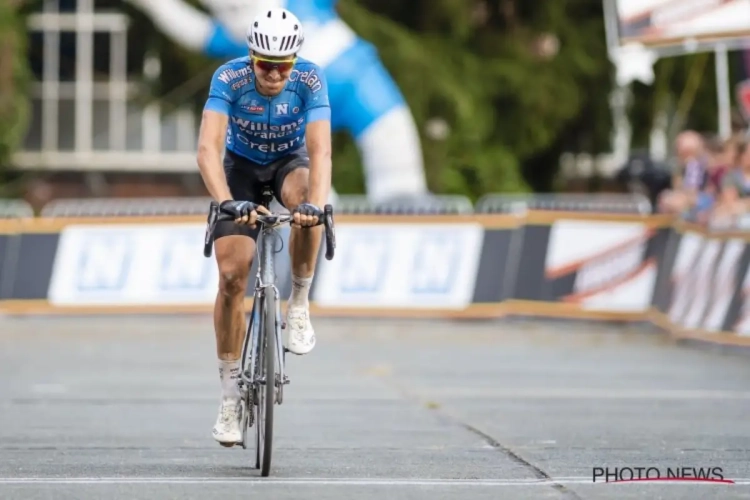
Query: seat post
(266, 198)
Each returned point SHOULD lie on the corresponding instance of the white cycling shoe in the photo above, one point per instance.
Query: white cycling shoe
(227, 430)
(300, 336)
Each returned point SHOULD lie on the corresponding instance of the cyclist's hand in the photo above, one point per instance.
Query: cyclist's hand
(244, 212)
(306, 215)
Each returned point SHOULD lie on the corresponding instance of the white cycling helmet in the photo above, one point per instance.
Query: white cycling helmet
(275, 33)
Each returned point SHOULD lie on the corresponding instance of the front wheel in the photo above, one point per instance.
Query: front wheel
(267, 397)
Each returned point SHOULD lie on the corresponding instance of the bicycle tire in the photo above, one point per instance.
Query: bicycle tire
(248, 419)
(259, 403)
(269, 396)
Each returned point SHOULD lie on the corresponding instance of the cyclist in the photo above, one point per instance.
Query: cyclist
(269, 114)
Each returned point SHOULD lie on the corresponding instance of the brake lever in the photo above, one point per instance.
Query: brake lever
(208, 238)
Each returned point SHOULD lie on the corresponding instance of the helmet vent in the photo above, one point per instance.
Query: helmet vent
(288, 42)
(262, 41)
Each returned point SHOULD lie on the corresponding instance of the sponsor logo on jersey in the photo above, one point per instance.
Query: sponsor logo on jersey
(242, 83)
(229, 75)
(253, 107)
(309, 78)
(265, 131)
(282, 109)
(265, 147)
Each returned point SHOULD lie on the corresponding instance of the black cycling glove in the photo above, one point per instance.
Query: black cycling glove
(308, 209)
(238, 209)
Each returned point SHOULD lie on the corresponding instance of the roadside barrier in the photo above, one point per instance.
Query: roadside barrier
(586, 265)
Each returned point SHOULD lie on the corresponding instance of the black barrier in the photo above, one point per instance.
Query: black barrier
(33, 270)
(660, 249)
(6, 266)
(529, 281)
(495, 283)
(662, 295)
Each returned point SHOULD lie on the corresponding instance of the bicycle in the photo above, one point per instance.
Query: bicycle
(263, 335)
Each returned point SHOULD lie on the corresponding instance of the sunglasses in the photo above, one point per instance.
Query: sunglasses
(267, 65)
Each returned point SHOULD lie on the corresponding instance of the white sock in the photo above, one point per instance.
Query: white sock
(300, 291)
(229, 372)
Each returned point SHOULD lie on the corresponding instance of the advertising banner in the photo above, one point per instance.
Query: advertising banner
(132, 265)
(708, 281)
(663, 23)
(600, 266)
(431, 266)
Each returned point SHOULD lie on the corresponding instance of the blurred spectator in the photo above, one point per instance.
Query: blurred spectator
(735, 190)
(722, 157)
(641, 174)
(687, 194)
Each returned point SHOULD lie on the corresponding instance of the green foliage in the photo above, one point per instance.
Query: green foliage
(15, 77)
(503, 102)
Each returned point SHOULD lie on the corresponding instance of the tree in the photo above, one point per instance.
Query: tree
(478, 66)
(14, 84)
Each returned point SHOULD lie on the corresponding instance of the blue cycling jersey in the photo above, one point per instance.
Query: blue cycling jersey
(264, 129)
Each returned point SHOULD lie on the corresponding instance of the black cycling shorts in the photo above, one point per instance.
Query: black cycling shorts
(247, 179)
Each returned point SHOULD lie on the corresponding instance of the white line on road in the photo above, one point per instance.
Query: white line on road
(580, 393)
(328, 481)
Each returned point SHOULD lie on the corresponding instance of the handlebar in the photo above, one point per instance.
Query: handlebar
(268, 220)
(215, 215)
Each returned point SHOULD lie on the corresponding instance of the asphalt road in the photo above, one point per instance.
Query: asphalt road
(122, 408)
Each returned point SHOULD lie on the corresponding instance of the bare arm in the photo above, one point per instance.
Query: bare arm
(318, 138)
(210, 148)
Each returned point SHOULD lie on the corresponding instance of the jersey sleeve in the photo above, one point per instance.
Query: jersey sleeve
(220, 94)
(317, 102)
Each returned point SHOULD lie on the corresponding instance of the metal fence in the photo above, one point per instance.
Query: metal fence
(15, 209)
(427, 205)
(631, 203)
(360, 204)
(111, 207)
